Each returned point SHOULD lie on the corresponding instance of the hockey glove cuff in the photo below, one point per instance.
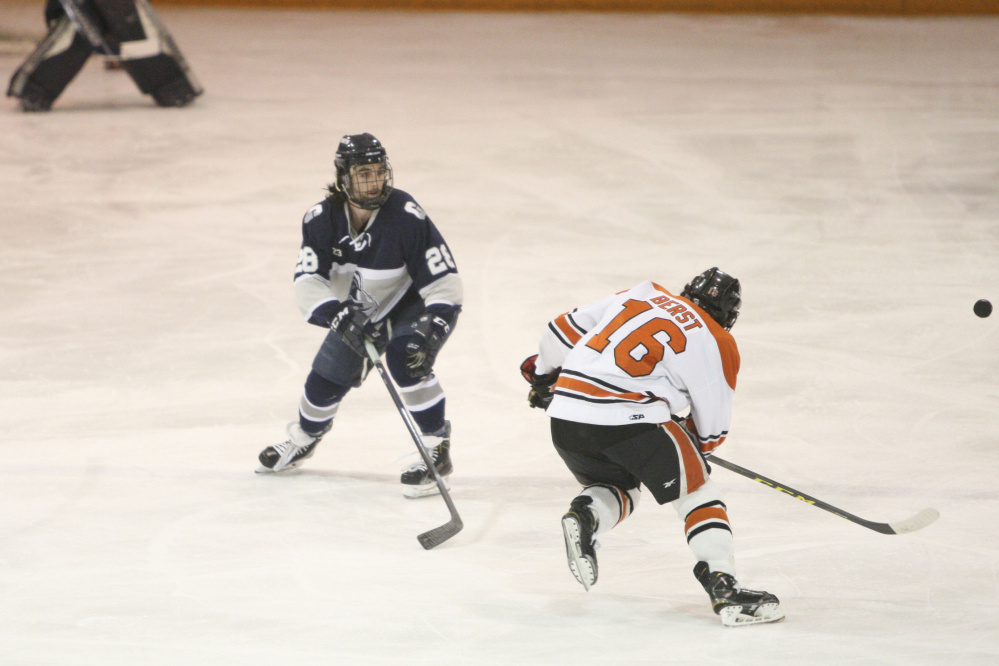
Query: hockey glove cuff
(353, 325)
(430, 332)
(324, 315)
(541, 394)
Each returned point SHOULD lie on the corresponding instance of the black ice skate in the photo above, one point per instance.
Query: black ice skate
(578, 527)
(299, 446)
(737, 606)
(417, 480)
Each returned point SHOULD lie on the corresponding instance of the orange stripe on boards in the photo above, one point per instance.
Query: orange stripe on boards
(562, 322)
(707, 513)
(573, 384)
(693, 466)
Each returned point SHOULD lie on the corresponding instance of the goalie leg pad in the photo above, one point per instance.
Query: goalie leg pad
(53, 64)
(161, 77)
(148, 52)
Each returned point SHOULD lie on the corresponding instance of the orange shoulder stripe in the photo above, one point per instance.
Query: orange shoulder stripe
(727, 348)
(570, 333)
(726, 343)
(663, 289)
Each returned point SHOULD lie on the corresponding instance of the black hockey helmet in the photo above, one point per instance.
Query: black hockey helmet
(356, 150)
(717, 293)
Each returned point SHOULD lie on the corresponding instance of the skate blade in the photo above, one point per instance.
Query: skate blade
(270, 470)
(732, 616)
(424, 490)
(581, 567)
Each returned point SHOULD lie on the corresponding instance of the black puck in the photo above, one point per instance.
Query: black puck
(983, 308)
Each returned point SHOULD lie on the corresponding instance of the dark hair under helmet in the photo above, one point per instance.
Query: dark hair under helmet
(356, 150)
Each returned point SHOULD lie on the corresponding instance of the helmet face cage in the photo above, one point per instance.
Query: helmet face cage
(359, 179)
(363, 172)
(718, 294)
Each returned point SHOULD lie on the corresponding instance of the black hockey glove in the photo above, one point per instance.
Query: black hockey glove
(540, 395)
(430, 332)
(353, 325)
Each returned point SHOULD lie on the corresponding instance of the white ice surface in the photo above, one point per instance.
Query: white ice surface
(847, 170)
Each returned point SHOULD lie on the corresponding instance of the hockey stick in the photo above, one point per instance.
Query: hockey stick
(438, 535)
(916, 522)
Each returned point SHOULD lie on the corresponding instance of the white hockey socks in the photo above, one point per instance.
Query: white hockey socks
(706, 525)
(611, 504)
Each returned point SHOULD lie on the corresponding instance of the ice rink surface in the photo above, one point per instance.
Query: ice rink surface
(845, 169)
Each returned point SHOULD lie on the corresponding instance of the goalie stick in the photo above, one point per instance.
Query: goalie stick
(438, 535)
(916, 522)
(86, 27)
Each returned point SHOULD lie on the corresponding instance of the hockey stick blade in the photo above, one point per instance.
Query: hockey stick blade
(438, 535)
(917, 522)
(925, 517)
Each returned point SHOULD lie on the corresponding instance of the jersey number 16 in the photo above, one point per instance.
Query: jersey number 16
(642, 336)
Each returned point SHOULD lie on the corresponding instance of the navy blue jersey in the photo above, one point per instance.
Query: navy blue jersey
(398, 251)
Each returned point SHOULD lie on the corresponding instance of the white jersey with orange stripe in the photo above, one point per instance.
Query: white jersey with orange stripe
(642, 356)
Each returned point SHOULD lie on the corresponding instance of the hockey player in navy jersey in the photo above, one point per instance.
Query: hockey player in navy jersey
(639, 389)
(373, 265)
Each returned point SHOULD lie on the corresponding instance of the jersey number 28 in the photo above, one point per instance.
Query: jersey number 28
(439, 260)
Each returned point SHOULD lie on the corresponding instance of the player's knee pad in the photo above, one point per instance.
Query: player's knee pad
(323, 392)
(320, 402)
(395, 361)
(611, 504)
(423, 396)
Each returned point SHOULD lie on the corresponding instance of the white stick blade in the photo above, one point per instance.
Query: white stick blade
(917, 522)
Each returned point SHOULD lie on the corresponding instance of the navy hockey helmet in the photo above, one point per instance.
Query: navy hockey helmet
(717, 293)
(366, 188)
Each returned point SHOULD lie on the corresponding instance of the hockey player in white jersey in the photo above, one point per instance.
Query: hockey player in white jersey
(373, 265)
(639, 389)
